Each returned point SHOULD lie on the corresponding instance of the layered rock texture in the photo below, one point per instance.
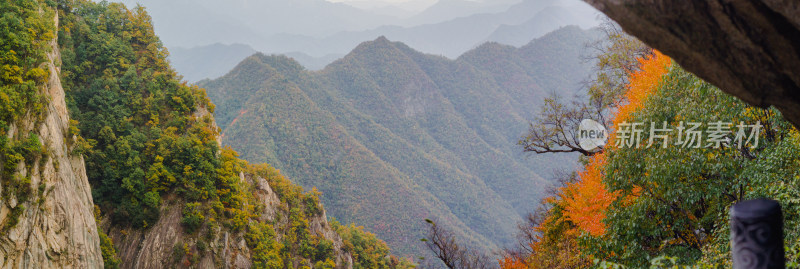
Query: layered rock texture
(748, 48)
(56, 227)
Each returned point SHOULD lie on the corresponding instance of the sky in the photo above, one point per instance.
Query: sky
(386, 1)
(409, 5)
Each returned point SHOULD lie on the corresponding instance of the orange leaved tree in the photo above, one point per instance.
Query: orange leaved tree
(579, 206)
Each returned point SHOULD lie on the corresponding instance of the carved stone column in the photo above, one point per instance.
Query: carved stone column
(757, 234)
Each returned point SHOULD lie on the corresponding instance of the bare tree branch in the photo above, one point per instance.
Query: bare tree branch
(444, 246)
(555, 130)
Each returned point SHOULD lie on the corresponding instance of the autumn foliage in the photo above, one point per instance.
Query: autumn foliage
(642, 84)
(580, 205)
(509, 262)
(585, 201)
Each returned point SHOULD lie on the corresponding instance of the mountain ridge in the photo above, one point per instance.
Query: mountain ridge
(419, 119)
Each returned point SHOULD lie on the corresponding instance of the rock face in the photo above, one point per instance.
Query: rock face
(748, 48)
(155, 246)
(57, 228)
(54, 225)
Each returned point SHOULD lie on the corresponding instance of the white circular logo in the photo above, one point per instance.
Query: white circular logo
(591, 135)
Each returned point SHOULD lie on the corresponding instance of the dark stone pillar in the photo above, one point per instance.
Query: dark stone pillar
(757, 234)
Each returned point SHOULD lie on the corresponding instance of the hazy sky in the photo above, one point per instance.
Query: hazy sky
(411, 5)
(388, 1)
(416, 2)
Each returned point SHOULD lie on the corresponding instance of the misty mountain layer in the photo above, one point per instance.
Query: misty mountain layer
(392, 136)
(318, 28)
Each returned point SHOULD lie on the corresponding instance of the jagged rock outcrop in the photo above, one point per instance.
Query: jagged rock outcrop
(748, 48)
(154, 247)
(317, 224)
(320, 225)
(57, 228)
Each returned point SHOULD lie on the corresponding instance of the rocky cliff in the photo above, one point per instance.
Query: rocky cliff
(85, 110)
(55, 226)
(156, 246)
(47, 214)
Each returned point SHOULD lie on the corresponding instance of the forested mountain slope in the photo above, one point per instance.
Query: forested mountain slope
(392, 136)
(110, 161)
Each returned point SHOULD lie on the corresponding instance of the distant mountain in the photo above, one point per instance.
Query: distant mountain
(393, 10)
(188, 23)
(207, 62)
(518, 24)
(213, 61)
(318, 28)
(392, 136)
(400, 10)
(313, 63)
(543, 22)
(445, 10)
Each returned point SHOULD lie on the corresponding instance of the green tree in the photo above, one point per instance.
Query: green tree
(682, 195)
(368, 251)
(266, 250)
(26, 29)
